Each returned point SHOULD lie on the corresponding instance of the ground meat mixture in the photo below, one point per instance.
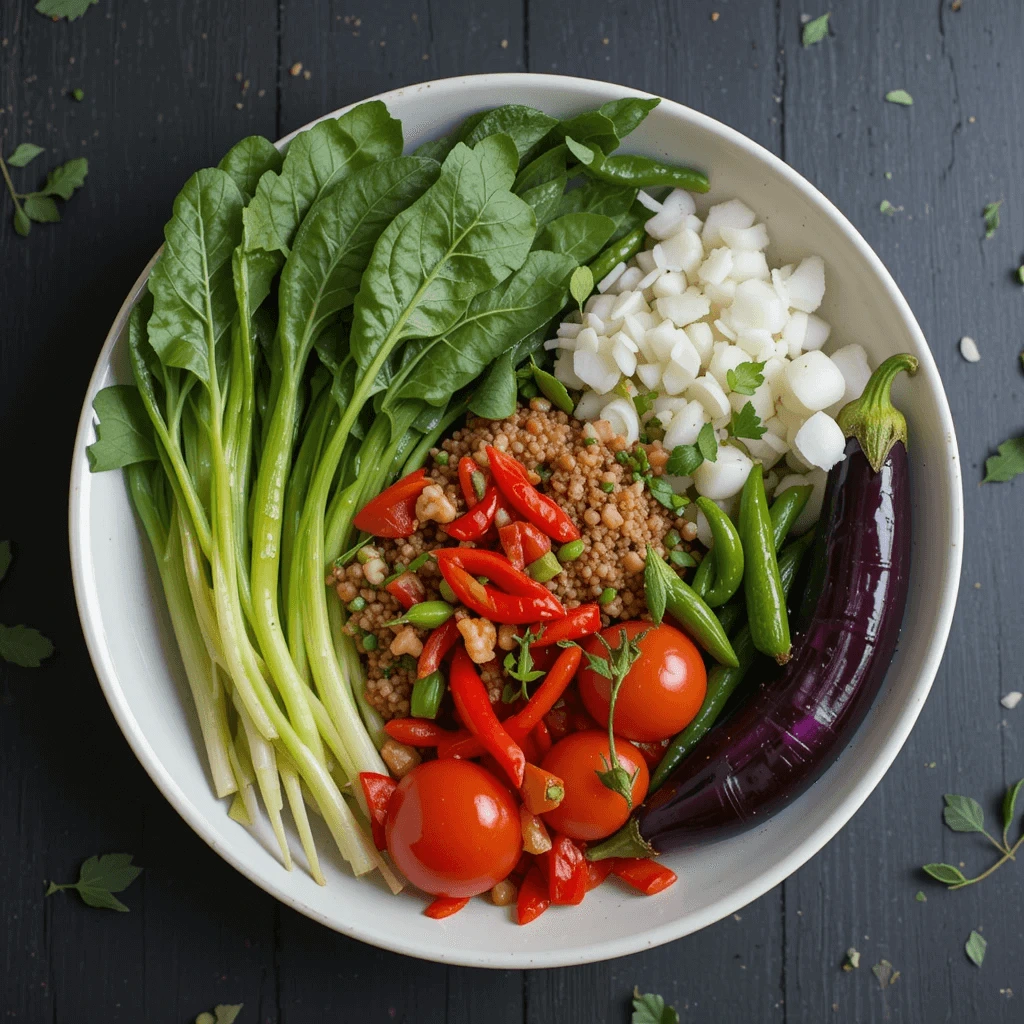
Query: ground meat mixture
(576, 465)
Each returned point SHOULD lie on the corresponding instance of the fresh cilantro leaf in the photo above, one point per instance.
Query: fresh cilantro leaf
(685, 458)
(887, 208)
(581, 284)
(651, 1009)
(100, 877)
(644, 402)
(900, 96)
(1007, 464)
(5, 557)
(1009, 807)
(24, 646)
(815, 30)
(975, 948)
(662, 491)
(24, 154)
(224, 1013)
(946, 873)
(42, 209)
(746, 423)
(63, 180)
(991, 215)
(963, 814)
(69, 9)
(746, 378)
(707, 443)
(124, 433)
(655, 586)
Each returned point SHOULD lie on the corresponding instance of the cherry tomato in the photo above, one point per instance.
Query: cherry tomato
(453, 828)
(661, 694)
(589, 809)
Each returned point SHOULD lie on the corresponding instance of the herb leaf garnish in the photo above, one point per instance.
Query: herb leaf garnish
(900, 96)
(521, 669)
(223, 1013)
(100, 877)
(651, 1009)
(746, 423)
(24, 154)
(746, 378)
(39, 206)
(581, 284)
(975, 948)
(69, 9)
(963, 814)
(815, 30)
(887, 208)
(991, 215)
(20, 645)
(1007, 464)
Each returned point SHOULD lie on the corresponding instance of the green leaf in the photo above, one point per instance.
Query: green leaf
(543, 199)
(628, 113)
(78, 95)
(5, 558)
(579, 235)
(124, 433)
(69, 9)
(248, 160)
(682, 558)
(651, 1009)
(644, 403)
(24, 646)
(597, 197)
(707, 443)
(975, 948)
(946, 873)
(24, 154)
(662, 491)
(552, 389)
(1009, 801)
(62, 181)
(900, 96)
(42, 209)
(815, 30)
(21, 222)
(495, 398)
(746, 378)
(991, 215)
(655, 586)
(525, 126)
(100, 877)
(591, 127)
(887, 208)
(1007, 464)
(549, 166)
(920, 897)
(581, 284)
(746, 423)
(685, 458)
(963, 814)
(222, 1014)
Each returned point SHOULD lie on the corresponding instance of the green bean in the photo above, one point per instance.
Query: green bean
(786, 509)
(731, 615)
(618, 252)
(766, 604)
(425, 615)
(728, 554)
(607, 596)
(705, 574)
(684, 604)
(570, 551)
(722, 679)
(426, 696)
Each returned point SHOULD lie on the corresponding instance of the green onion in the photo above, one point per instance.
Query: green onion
(479, 484)
(571, 551)
(607, 596)
(547, 567)
(427, 694)
(418, 562)
(399, 569)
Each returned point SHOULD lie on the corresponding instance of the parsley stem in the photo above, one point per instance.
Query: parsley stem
(10, 185)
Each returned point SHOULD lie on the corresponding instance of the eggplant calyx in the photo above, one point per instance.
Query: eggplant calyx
(872, 419)
(627, 842)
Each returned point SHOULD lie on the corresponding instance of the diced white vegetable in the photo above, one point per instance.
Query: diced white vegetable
(779, 284)
(749, 265)
(704, 530)
(683, 250)
(794, 332)
(757, 305)
(731, 214)
(671, 282)
(589, 406)
(667, 221)
(701, 339)
(781, 350)
(621, 414)
(1011, 700)
(817, 333)
(594, 322)
(709, 393)
(648, 280)
(721, 294)
(758, 344)
(762, 400)
(596, 369)
(685, 355)
(624, 356)
(769, 448)
(627, 304)
(682, 367)
(629, 280)
(600, 306)
(806, 284)
(648, 201)
(611, 277)
(684, 309)
(726, 358)
(623, 338)
(564, 372)
(820, 441)
(559, 343)
(724, 477)
(587, 340)
(685, 425)
(786, 272)
(791, 421)
(812, 510)
(645, 261)
(694, 223)
(814, 381)
(969, 349)
(650, 374)
(568, 330)
(776, 426)
(724, 329)
(796, 462)
(681, 200)
(852, 361)
(660, 340)
(717, 267)
(746, 239)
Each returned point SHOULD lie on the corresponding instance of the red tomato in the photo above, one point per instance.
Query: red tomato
(589, 809)
(453, 828)
(662, 692)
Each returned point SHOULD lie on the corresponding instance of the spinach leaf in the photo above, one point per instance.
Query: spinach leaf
(247, 161)
(438, 149)
(549, 165)
(597, 197)
(544, 198)
(579, 235)
(123, 434)
(495, 398)
(628, 113)
(592, 127)
(525, 126)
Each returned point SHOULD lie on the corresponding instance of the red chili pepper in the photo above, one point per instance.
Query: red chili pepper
(416, 732)
(598, 871)
(498, 569)
(474, 707)
(536, 544)
(438, 644)
(542, 737)
(467, 467)
(445, 906)
(393, 512)
(479, 519)
(511, 538)
(550, 690)
(513, 609)
(407, 590)
(579, 622)
(566, 868)
(525, 862)
(533, 897)
(377, 789)
(530, 750)
(643, 874)
(539, 509)
(652, 752)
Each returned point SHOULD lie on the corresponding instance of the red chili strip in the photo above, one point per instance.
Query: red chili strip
(539, 509)
(377, 789)
(584, 620)
(598, 871)
(438, 644)
(643, 874)
(416, 732)
(407, 590)
(467, 467)
(478, 520)
(513, 609)
(497, 568)
(393, 512)
(567, 872)
(533, 897)
(445, 906)
(511, 538)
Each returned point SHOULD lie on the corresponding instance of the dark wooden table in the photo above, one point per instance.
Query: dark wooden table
(169, 85)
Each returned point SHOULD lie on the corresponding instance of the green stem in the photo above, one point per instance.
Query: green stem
(10, 186)
(627, 842)
(419, 454)
(1008, 855)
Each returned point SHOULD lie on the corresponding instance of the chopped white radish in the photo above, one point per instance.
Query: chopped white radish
(806, 284)
(776, 426)
(704, 530)
(623, 338)
(757, 305)
(781, 350)
(681, 200)
(675, 378)
(596, 369)
(794, 332)
(624, 356)
(721, 294)
(648, 201)
(812, 510)
(685, 355)
(588, 340)
(664, 223)
(629, 280)
(779, 284)
(685, 425)
(731, 214)
(791, 421)
(717, 267)
(726, 358)
(611, 277)
(969, 349)
(709, 393)
(814, 381)
(701, 339)
(1011, 700)
(817, 333)
(650, 374)
(671, 282)
(757, 343)
(786, 272)
(568, 329)
(627, 304)
(852, 361)
(752, 239)
(684, 309)
(559, 343)
(645, 261)
(647, 281)
(769, 448)
(762, 400)
(749, 265)
(724, 329)
(820, 442)
(683, 250)
(564, 372)
(725, 476)
(661, 339)
(600, 306)
(589, 406)
(621, 414)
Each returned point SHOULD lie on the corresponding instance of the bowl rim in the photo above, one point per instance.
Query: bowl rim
(754, 887)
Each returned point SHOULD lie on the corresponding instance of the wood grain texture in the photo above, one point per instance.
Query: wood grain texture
(162, 83)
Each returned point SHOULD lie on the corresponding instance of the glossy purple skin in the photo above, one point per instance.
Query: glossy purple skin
(785, 737)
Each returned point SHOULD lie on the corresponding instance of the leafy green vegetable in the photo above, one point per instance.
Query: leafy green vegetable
(628, 113)
(521, 668)
(579, 235)
(746, 423)
(900, 96)
(651, 1009)
(247, 161)
(975, 947)
(495, 398)
(525, 126)
(544, 199)
(24, 646)
(597, 197)
(707, 443)
(123, 433)
(746, 378)
(41, 209)
(24, 154)
(62, 181)
(100, 877)
(69, 9)
(581, 284)
(550, 165)
(1007, 464)
(815, 30)
(991, 215)
(963, 814)
(685, 458)
(223, 1013)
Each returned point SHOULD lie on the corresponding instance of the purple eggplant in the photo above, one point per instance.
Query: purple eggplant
(796, 725)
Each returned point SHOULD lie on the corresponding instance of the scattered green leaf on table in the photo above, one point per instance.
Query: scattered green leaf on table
(223, 1013)
(5, 557)
(852, 961)
(746, 378)
(963, 814)
(63, 180)
(78, 94)
(746, 423)
(946, 873)
(1007, 464)
(815, 30)
(651, 1009)
(42, 209)
(69, 9)
(1009, 805)
(887, 208)
(884, 973)
(100, 877)
(22, 224)
(24, 646)
(991, 215)
(975, 948)
(920, 897)
(24, 154)
(900, 96)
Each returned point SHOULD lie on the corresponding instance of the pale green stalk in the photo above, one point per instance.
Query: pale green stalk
(293, 791)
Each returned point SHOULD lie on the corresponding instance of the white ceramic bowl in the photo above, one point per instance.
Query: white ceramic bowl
(133, 650)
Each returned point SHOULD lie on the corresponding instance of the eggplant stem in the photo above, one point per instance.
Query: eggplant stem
(872, 419)
(627, 842)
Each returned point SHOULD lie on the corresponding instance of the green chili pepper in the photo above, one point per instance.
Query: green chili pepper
(545, 568)
(571, 551)
(766, 604)
(425, 615)
(786, 509)
(552, 389)
(638, 171)
(690, 609)
(723, 680)
(705, 574)
(728, 555)
(607, 596)
(426, 696)
(618, 252)
(731, 615)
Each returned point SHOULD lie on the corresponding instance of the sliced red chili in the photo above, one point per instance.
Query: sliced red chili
(377, 789)
(598, 871)
(513, 609)
(566, 868)
(533, 897)
(584, 620)
(542, 737)
(536, 543)
(479, 519)
(445, 906)
(467, 467)
(643, 874)
(393, 512)
(407, 590)
(417, 732)
(539, 509)
(498, 569)
(555, 683)
(438, 644)
(511, 538)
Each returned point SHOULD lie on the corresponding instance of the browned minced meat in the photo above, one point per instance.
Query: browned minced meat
(615, 527)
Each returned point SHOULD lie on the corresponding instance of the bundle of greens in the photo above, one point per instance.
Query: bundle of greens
(314, 323)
